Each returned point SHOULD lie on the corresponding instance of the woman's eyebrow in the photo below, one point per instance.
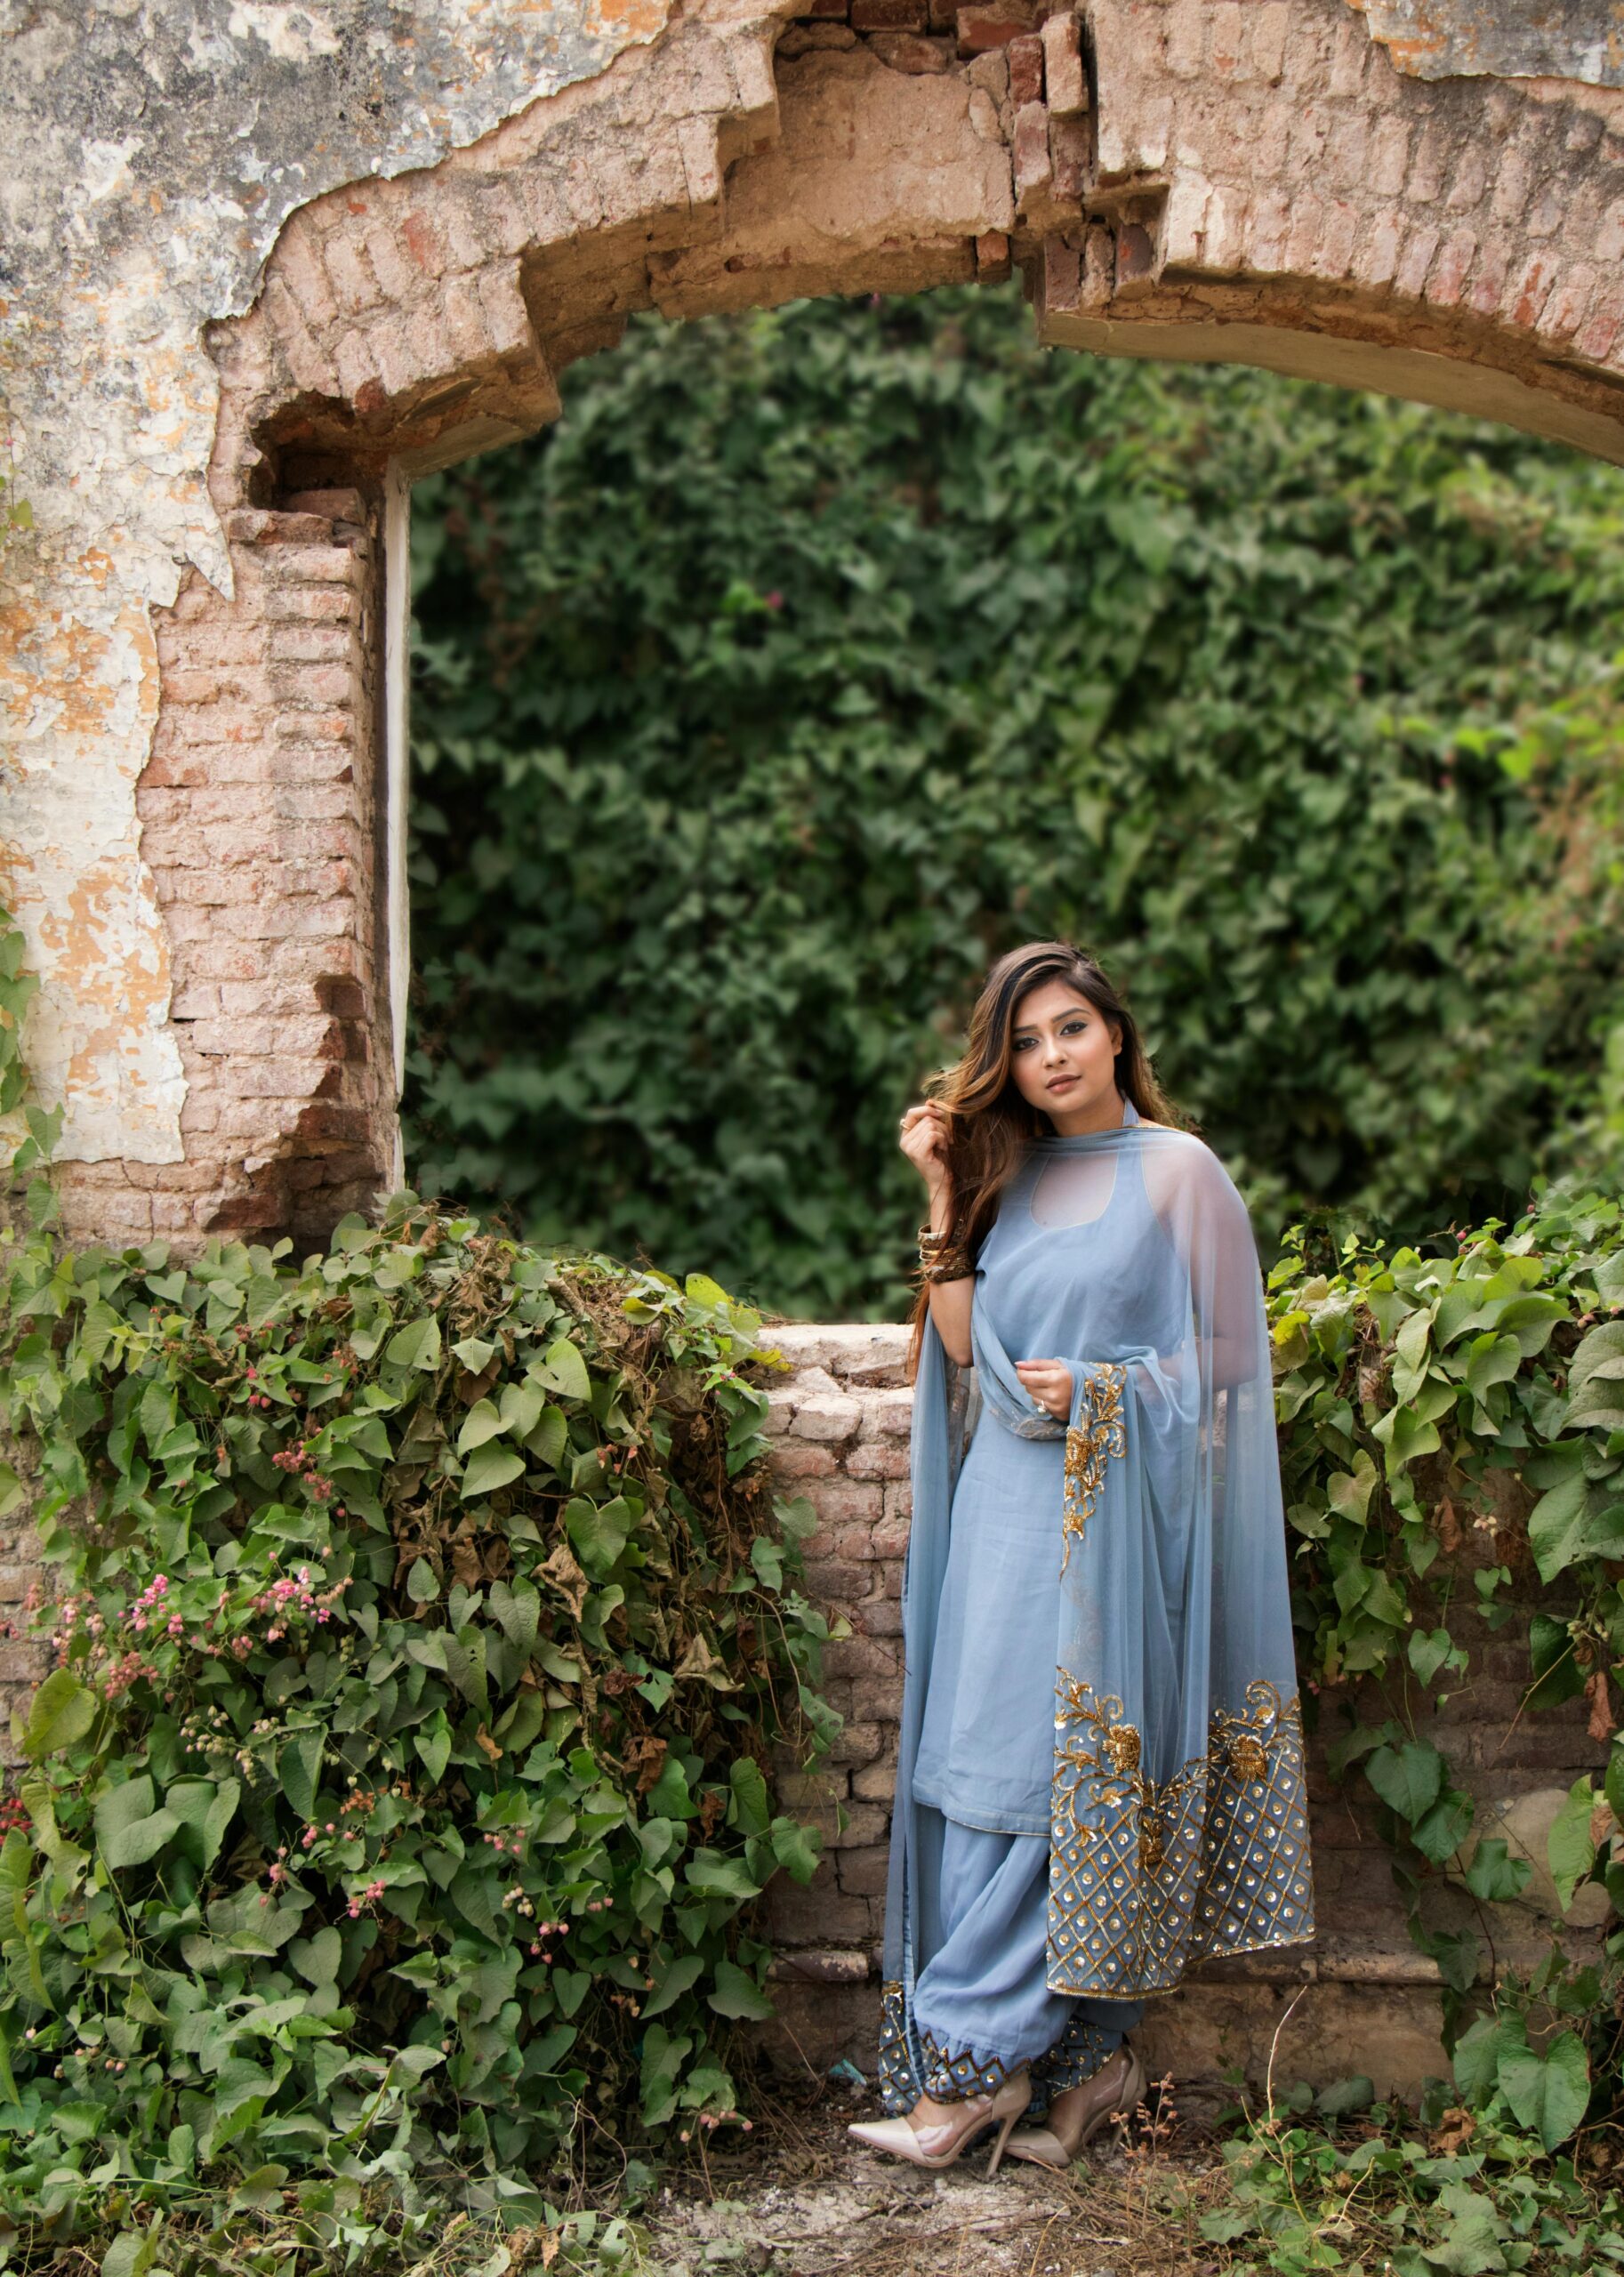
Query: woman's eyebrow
(1026, 1028)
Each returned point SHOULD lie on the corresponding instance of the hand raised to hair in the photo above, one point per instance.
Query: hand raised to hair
(923, 1139)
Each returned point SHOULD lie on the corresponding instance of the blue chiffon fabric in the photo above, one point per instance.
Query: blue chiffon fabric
(1100, 1764)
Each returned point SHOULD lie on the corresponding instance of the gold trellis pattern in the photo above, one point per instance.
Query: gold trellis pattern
(899, 2089)
(1090, 1445)
(1146, 1878)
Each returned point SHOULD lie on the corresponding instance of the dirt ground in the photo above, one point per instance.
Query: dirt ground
(797, 2197)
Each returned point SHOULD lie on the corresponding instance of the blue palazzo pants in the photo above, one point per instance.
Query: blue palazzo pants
(981, 2003)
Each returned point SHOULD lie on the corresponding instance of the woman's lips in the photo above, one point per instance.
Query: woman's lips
(1063, 1083)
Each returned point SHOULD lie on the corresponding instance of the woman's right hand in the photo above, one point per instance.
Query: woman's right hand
(923, 1139)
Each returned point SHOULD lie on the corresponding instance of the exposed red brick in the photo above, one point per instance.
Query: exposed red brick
(1026, 69)
(1033, 171)
(912, 51)
(990, 25)
(1136, 254)
(1071, 154)
(1065, 85)
(1062, 274)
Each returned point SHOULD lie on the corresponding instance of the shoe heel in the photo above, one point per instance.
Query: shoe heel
(1127, 2102)
(1004, 2133)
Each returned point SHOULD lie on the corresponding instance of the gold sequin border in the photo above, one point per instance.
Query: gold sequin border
(1148, 1878)
(1082, 2050)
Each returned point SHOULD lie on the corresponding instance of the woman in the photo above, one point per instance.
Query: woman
(1100, 1774)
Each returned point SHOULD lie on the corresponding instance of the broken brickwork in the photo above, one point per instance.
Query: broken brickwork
(197, 845)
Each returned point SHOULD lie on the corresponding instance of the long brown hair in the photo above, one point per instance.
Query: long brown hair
(991, 1125)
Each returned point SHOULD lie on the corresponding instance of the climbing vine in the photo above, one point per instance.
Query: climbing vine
(817, 656)
(423, 1625)
(1414, 1394)
(42, 1128)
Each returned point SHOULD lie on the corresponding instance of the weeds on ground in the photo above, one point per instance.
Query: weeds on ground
(1371, 2189)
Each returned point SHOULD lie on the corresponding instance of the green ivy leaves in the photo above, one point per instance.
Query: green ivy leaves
(1546, 2090)
(657, 751)
(62, 1712)
(420, 1673)
(1471, 1373)
(1596, 1380)
(130, 1827)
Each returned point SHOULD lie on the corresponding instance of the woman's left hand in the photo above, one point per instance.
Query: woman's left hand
(1050, 1382)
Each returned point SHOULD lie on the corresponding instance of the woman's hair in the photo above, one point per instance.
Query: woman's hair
(991, 1125)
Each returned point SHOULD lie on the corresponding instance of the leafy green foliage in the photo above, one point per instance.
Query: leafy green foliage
(1412, 1391)
(17, 988)
(398, 1800)
(1461, 2194)
(816, 656)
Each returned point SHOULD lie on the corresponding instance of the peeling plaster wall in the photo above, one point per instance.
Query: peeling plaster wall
(148, 155)
(1552, 39)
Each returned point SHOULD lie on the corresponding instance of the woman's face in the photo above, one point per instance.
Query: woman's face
(1062, 1057)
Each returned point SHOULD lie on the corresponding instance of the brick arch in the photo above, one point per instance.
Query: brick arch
(1177, 178)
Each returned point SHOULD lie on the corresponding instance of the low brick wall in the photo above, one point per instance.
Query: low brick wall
(1362, 1998)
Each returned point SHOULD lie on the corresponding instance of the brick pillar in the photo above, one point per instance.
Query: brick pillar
(257, 815)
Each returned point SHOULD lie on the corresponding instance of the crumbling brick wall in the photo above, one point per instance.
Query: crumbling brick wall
(192, 346)
(258, 807)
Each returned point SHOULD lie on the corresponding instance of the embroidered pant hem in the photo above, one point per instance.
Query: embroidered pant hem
(982, 2009)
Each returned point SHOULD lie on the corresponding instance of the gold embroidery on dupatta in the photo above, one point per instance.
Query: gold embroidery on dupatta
(1088, 1446)
(1258, 1886)
(1148, 1878)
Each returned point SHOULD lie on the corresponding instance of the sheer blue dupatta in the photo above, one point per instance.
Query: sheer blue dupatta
(1178, 1810)
(1179, 1822)
(941, 1410)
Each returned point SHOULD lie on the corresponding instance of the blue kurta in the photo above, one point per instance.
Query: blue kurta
(986, 1752)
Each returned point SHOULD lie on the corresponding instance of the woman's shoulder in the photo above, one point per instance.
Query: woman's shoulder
(1181, 1162)
(1181, 1141)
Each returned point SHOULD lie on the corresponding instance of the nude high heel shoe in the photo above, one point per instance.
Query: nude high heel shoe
(1042, 2146)
(938, 2146)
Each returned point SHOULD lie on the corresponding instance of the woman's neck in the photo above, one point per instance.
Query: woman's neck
(1109, 1114)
